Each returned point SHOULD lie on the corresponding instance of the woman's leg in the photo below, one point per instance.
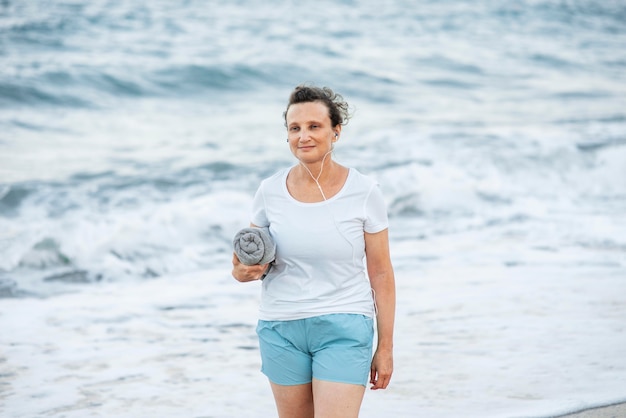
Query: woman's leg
(295, 401)
(336, 400)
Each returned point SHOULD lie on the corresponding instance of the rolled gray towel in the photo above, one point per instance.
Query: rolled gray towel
(254, 246)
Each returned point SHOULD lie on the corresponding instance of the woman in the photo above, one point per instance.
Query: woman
(332, 274)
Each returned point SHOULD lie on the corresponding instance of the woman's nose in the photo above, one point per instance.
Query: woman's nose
(303, 135)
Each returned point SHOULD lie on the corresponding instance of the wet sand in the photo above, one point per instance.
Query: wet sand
(612, 411)
(468, 345)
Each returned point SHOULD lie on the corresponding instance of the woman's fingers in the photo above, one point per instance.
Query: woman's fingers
(245, 273)
(381, 370)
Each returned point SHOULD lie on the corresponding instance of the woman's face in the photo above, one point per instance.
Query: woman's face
(309, 130)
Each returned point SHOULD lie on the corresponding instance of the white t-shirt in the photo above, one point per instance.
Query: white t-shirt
(320, 248)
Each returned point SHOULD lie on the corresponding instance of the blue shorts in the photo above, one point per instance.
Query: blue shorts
(336, 348)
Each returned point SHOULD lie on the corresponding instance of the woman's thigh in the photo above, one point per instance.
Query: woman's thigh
(293, 400)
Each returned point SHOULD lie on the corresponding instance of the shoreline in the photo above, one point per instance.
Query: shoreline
(609, 411)
(152, 348)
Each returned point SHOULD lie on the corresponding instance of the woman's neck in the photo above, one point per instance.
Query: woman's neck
(317, 178)
(306, 184)
(317, 172)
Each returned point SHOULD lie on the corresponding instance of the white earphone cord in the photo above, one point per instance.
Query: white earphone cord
(316, 180)
(332, 215)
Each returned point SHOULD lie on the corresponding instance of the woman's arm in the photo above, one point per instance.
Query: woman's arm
(382, 281)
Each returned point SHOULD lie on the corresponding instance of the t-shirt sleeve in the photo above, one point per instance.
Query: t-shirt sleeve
(375, 211)
(259, 215)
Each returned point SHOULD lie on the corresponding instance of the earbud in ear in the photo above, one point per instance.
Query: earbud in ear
(336, 135)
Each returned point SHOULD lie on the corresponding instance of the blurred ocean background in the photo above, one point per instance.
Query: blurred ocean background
(133, 135)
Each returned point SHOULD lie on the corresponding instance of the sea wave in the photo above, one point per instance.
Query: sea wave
(125, 119)
(107, 226)
(88, 87)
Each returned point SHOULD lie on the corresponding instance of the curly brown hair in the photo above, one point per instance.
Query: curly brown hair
(337, 106)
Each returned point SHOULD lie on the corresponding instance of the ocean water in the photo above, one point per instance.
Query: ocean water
(134, 134)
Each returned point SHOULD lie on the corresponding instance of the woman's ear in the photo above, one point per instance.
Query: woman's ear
(337, 130)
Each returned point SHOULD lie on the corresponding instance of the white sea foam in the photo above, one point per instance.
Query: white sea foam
(472, 340)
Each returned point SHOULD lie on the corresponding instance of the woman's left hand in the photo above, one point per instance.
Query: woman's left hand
(382, 368)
